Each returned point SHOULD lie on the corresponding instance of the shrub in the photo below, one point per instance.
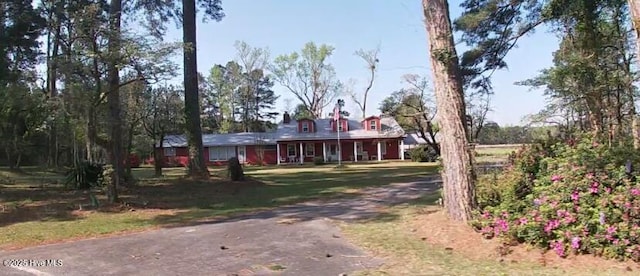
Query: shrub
(573, 197)
(84, 175)
(423, 154)
(234, 169)
(318, 160)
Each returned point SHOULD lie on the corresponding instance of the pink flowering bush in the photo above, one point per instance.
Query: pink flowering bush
(569, 197)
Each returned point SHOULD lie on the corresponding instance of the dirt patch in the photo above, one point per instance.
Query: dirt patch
(432, 225)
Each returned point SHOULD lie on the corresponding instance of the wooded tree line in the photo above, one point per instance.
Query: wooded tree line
(97, 88)
(591, 88)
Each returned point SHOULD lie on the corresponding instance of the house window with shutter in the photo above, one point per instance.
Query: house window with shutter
(373, 125)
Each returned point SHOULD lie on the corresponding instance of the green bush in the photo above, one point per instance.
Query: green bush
(572, 197)
(423, 154)
(318, 160)
(84, 175)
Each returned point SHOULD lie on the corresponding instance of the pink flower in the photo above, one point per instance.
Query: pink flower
(607, 189)
(551, 225)
(635, 192)
(562, 213)
(501, 226)
(594, 187)
(558, 247)
(590, 175)
(575, 242)
(556, 178)
(523, 221)
(486, 215)
(569, 219)
(611, 230)
(575, 196)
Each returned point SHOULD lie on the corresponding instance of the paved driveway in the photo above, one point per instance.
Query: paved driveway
(292, 240)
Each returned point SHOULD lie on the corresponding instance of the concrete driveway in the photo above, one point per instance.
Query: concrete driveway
(292, 240)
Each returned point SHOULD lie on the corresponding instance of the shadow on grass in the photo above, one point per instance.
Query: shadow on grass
(203, 202)
(367, 206)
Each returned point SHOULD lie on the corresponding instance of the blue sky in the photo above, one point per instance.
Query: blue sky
(285, 26)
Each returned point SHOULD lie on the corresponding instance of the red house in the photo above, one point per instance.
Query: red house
(374, 138)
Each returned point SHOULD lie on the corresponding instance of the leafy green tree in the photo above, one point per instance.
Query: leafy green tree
(309, 76)
(414, 109)
(22, 116)
(301, 112)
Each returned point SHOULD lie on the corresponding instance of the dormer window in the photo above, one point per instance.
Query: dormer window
(305, 126)
(340, 128)
(373, 125)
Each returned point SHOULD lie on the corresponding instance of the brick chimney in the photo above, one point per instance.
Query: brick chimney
(286, 118)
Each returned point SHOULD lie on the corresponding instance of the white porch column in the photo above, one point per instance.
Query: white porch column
(401, 151)
(355, 151)
(301, 154)
(324, 151)
(379, 151)
(278, 153)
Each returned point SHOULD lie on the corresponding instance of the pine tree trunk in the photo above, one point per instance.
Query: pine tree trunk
(113, 98)
(158, 157)
(458, 173)
(197, 168)
(634, 10)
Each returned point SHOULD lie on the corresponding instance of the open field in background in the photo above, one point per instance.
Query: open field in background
(494, 153)
(36, 209)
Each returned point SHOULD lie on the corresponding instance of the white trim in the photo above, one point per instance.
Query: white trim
(222, 153)
(306, 149)
(359, 147)
(294, 150)
(324, 151)
(373, 125)
(305, 124)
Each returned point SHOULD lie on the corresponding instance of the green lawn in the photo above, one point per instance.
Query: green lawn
(407, 249)
(35, 209)
(492, 154)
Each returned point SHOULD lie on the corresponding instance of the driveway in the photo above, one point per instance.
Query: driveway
(299, 239)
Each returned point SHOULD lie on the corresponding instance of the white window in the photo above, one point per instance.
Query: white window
(169, 151)
(310, 149)
(373, 125)
(291, 149)
(383, 147)
(221, 153)
(305, 126)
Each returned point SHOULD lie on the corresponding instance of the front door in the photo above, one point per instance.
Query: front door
(242, 154)
(333, 152)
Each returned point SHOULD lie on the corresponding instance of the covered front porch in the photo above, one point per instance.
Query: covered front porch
(299, 152)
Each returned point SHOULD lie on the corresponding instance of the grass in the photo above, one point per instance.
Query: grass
(36, 209)
(413, 244)
(492, 154)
